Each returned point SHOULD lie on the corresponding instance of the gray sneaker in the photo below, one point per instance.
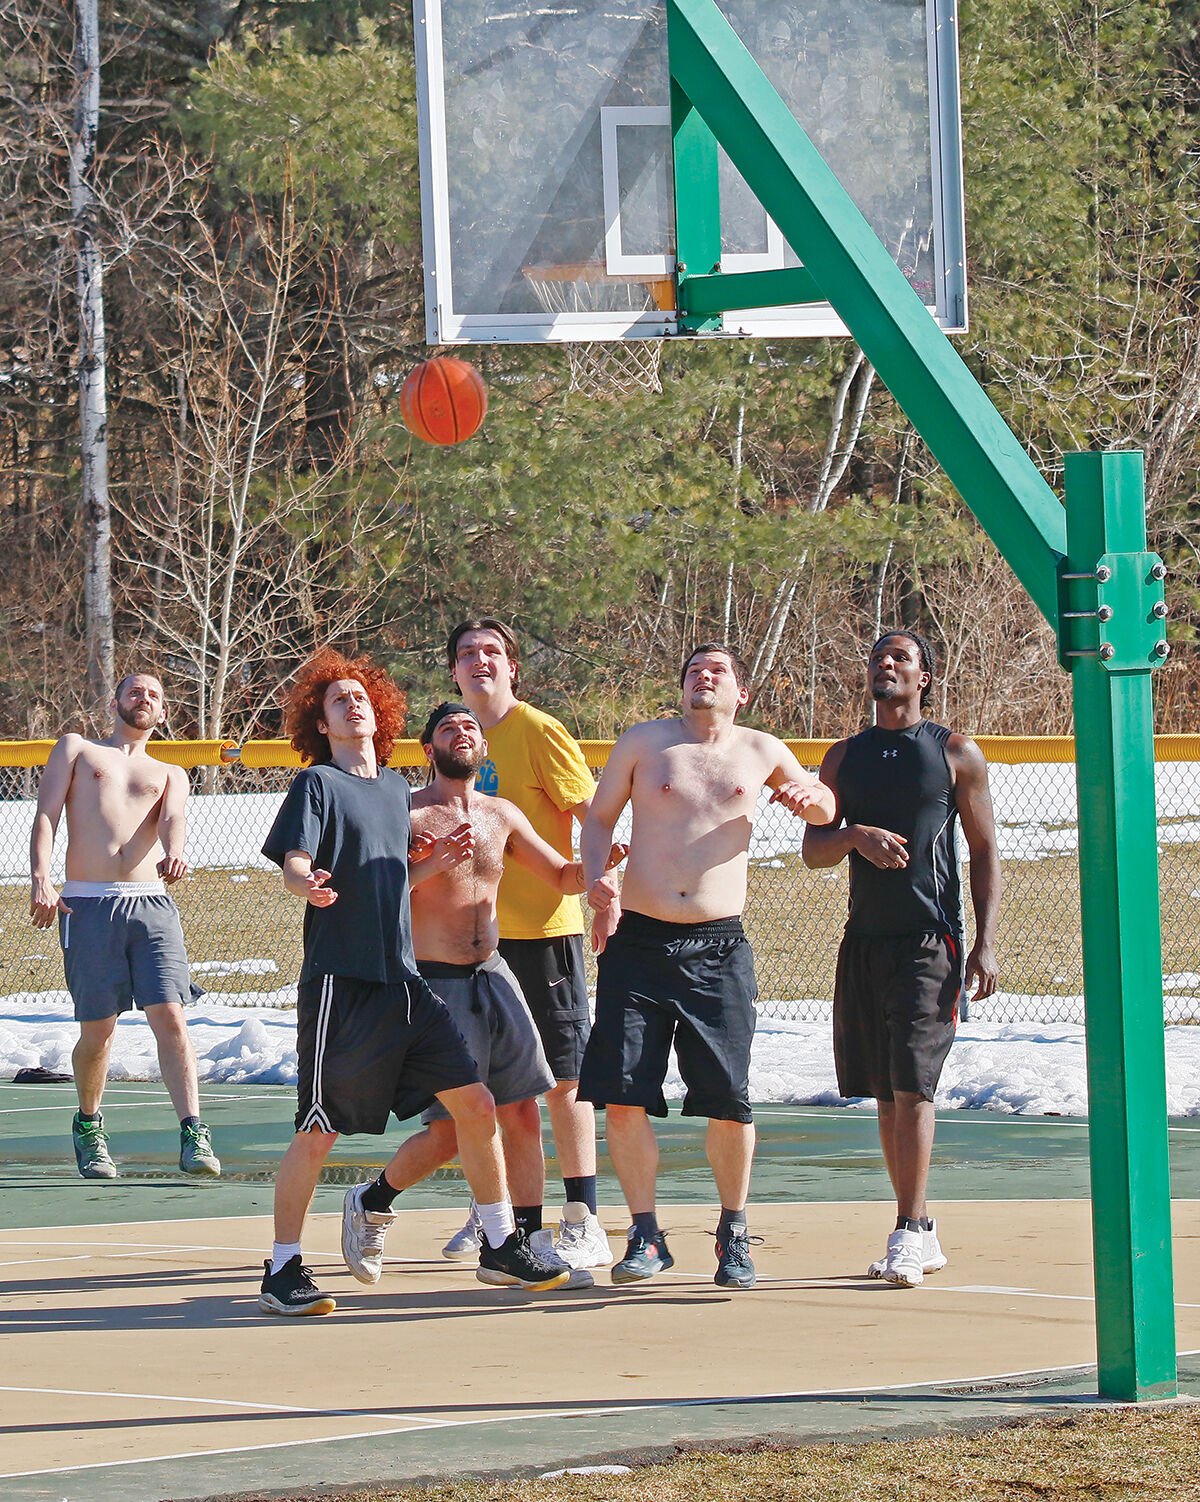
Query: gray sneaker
(464, 1245)
(196, 1154)
(91, 1149)
(541, 1244)
(362, 1235)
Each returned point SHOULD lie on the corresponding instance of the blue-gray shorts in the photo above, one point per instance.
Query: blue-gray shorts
(122, 951)
(660, 984)
(553, 982)
(490, 1012)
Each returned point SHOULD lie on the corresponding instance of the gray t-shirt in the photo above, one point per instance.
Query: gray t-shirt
(357, 829)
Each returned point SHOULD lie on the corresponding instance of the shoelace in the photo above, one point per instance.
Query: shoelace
(736, 1249)
(372, 1236)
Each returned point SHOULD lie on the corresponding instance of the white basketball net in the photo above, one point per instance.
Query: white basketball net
(610, 367)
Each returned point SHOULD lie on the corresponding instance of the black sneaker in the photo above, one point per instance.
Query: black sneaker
(292, 1291)
(514, 1264)
(735, 1269)
(645, 1257)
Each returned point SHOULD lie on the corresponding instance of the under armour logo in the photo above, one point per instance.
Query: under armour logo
(886, 754)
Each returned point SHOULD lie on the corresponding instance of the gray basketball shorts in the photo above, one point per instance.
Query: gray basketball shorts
(487, 1007)
(122, 951)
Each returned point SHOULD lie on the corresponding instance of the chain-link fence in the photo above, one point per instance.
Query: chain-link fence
(243, 929)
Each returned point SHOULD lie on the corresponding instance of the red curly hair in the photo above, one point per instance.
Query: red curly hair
(306, 703)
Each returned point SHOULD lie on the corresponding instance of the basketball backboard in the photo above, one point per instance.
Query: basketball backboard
(546, 171)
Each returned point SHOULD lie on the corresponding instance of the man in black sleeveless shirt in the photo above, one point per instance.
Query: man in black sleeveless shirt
(902, 786)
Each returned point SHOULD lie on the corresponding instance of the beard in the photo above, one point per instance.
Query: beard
(140, 719)
(459, 766)
(883, 691)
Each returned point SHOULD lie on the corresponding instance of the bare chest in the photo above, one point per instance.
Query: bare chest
(697, 782)
(116, 786)
(490, 835)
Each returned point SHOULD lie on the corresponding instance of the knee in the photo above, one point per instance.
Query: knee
(625, 1118)
(95, 1038)
(562, 1090)
(473, 1108)
(522, 1117)
(167, 1022)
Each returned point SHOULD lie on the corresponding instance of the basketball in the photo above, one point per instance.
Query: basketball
(443, 400)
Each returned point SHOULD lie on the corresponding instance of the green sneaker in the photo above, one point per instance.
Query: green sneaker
(196, 1154)
(91, 1149)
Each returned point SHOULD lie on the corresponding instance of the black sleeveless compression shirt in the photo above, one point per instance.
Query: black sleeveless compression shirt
(900, 780)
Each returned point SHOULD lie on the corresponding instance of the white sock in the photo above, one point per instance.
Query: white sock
(281, 1252)
(497, 1221)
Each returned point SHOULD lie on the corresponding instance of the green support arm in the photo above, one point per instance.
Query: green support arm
(714, 75)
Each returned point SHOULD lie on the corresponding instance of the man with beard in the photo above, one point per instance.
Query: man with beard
(535, 762)
(372, 1038)
(902, 786)
(679, 969)
(455, 936)
(121, 938)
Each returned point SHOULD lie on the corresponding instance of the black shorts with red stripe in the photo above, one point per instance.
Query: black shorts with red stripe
(366, 1049)
(895, 1006)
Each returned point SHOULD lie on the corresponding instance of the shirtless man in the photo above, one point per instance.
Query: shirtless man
(679, 968)
(121, 937)
(455, 936)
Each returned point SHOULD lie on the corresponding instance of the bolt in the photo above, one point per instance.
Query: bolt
(1104, 613)
(1162, 649)
(1158, 571)
(1107, 651)
(1104, 573)
(1160, 611)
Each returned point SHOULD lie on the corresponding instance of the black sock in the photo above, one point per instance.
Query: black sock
(88, 1115)
(907, 1223)
(528, 1218)
(582, 1190)
(731, 1220)
(187, 1121)
(926, 1223)
(379, 1196)
(646, 1222)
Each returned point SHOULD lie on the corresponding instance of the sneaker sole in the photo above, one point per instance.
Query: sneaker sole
(497, 1279)
(625, 1275)
(358, 1268)
(735, 1282)
(453, 1253)
(902, 1280)
(202, 1171)
(876, 1268)
(98, 1173)
(271, 1305)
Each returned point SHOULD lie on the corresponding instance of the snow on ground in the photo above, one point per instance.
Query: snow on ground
(250, 1039)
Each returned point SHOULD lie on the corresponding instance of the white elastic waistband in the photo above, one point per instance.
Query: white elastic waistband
(114, 889)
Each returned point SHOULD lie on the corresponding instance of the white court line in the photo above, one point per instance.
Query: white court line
(949, 1116)
(160, 1397)
(432, 1422)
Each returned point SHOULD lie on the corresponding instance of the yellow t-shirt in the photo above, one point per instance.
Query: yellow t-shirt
(534, 761)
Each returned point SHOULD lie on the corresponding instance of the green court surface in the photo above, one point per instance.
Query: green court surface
(805, 1153)
(139, 1368)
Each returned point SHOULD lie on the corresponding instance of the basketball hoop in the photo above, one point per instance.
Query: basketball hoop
(606, 367)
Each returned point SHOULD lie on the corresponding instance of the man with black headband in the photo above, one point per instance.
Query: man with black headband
(535, 762)
(455, 934)
(902, 786)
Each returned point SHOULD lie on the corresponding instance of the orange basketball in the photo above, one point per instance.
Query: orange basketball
(443, 400)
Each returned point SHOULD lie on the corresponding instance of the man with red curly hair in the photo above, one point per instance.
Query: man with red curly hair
(372, 1038)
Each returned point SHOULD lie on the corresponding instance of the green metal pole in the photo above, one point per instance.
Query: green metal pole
(1115, 614)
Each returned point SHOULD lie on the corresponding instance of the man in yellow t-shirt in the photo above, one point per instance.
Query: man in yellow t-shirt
(537, 764)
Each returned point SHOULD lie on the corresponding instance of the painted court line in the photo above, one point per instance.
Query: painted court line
(159, 1397)
(432, 1422)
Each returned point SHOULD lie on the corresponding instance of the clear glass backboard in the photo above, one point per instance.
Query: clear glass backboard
(546, 188)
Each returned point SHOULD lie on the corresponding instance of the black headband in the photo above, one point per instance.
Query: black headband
(442, 712)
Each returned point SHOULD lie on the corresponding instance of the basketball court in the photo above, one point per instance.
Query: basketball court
(139, 1367)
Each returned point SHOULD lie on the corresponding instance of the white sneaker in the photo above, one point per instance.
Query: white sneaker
(362, 1235)
(581, 1238)
(464, 1245)
(933, 1259)
(542, 1244)
(902, 1265)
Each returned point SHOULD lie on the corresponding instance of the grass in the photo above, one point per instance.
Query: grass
(1127, 1455)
